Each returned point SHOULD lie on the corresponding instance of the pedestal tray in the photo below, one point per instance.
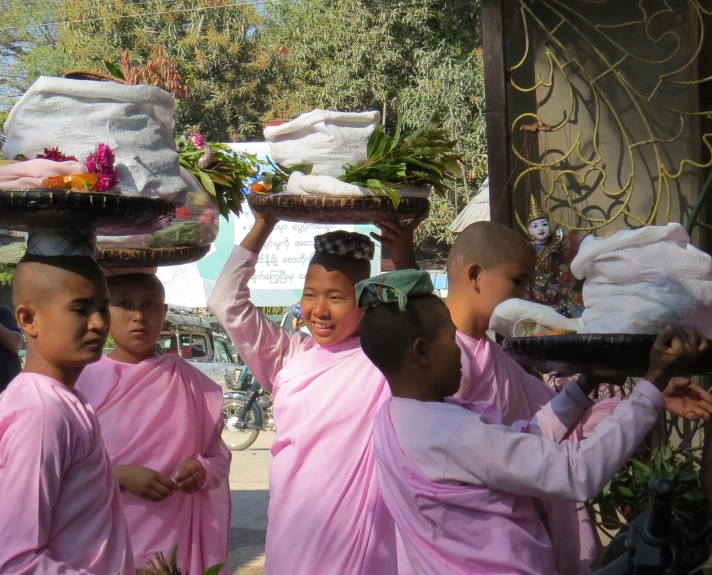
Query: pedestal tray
(336, 209)
(607, 355)
(121, 258)
(108, 214)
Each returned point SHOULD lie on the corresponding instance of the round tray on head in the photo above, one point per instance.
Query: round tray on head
(108, 214)
(336, 209)
(607, 355)
(118, 258)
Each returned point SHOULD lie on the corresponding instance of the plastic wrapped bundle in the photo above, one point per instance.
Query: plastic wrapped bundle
(196, 224)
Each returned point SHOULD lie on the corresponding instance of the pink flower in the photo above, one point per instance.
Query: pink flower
(198, 140)
(102, 163)
(55, 155)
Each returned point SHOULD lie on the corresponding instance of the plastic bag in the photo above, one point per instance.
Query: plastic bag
(196, 224)
(640, 281)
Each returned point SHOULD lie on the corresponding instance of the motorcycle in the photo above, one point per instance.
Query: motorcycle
(246, 412)
(661, 541)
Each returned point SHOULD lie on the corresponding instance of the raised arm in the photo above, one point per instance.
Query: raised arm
(33, 456)
(533, 466)
(263, 345)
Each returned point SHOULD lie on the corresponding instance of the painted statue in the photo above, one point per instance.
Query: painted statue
(554, 284)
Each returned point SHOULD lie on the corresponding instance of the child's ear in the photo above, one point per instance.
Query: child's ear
(474, 271)
(421, 352)
(25, 316)
(165, 311)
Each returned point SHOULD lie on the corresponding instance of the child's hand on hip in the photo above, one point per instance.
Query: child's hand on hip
(191, 476)
(144, 482)
(674, 350)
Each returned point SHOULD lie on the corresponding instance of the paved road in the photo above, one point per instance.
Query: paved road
(250, 497)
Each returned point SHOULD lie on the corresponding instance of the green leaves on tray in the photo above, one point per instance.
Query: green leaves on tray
(423, 157)
(222, 172)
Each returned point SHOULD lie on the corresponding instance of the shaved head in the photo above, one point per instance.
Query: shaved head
(487, 244)
(134, 281)
(37, 278)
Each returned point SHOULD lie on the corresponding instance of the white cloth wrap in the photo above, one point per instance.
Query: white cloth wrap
(328, 140)
(512, 318)
(136, 122)
(303, 185)
(640, 281)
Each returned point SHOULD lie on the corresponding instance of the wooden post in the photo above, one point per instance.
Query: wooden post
(496, 111)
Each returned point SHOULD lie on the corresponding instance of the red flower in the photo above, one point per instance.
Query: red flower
(183, 213)
(55, 155)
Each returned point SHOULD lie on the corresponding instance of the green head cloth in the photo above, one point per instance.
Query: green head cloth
(394, 287)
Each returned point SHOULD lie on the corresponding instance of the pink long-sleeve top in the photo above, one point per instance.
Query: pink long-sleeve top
(59, 500)
(459, 485)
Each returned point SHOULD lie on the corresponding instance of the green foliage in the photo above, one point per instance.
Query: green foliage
(7, 272)
(216, 48)
(224, 177)
(422, 157)
(159, 566)
(628, 492)
(410, 58)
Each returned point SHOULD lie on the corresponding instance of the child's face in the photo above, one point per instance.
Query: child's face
(505, 281)
(69, 328)
(137, 313)
(329, 307)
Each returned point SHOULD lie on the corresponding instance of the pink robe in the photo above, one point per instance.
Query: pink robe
(490, 375)
(460, 486)
(158, 414)
(60, 506)
(326, 515)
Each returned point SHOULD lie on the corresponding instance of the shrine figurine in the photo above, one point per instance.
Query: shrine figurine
(554, 284)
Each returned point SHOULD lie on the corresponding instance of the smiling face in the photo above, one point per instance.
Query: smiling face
(329, 307)
(137, 313)
(540, 230)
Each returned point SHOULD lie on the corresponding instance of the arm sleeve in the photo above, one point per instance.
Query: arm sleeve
(536, 467)
(35, 450)
(264, 346)
(216, 460)
(558, 418)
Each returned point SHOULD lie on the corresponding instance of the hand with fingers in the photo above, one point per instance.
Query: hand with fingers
(673, 351)
(144, 482)
(191, 476)
(684, 398)
(399, 241)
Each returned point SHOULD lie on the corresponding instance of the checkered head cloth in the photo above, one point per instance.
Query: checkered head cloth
(345, 244)
(61, 242)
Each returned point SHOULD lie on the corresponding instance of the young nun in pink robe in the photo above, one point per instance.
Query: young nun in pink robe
(488, 264)
(459, 484)
(60, 504)
(325, 514)
(162, 420)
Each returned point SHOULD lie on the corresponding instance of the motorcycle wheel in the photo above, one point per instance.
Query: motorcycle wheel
(235, 438)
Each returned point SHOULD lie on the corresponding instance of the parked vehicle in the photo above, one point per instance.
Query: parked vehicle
(246, 412)
(203, 344)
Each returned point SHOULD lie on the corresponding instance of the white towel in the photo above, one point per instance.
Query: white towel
(326, 139)
(302, 185)
(136, 122)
